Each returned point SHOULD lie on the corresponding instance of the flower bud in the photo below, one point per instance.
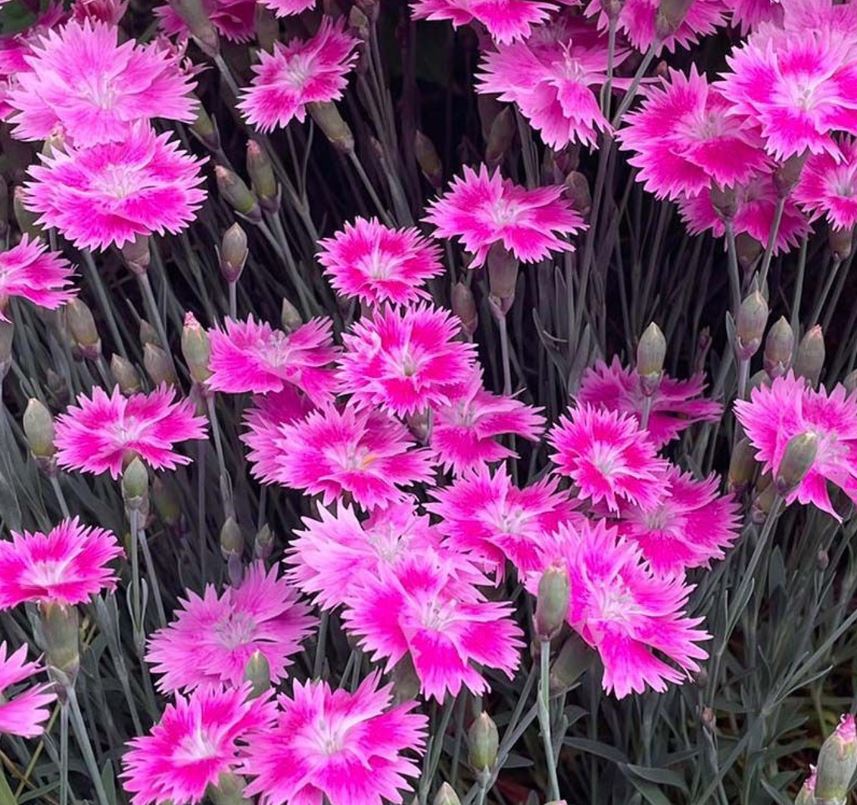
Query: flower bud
(651, 352)
(552, 602)
(502, 276)
(59, 627)
(837, 761)
(289, 317)
(573, 660)
(822, 560)
(25, 219)
(850, 381)
(419, 424)
(166, 502)
(125, 375)
(136, 254)
(742, 466)
(233, 253)
(199, 23)
(611, 8)
(841, 241)
(148, 334)
(39, 430)
(797, 461)
(258, 673)
(228, 791)
(670, 16)
(446, 796)
(158, 366)
(428, 160)
(338, 132)
(135, 486)
(787, 174)
(231, 539)
(763, 499)
(483, 741)
(809, 359)
(464, 306)
(578, 193)
(806, 795)
(500, 137)
(204, 128)
(236, 193)
(196, 349)
(81, 325)
(261, 172)
(750, 325)
(779, 347)
(263, 543)
(724, 201)
(748, 250)
(406, 683)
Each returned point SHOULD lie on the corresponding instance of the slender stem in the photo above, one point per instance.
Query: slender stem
(798, 294)
(155, 315)
(64, 754)
(631, 93)
(103, 301)
(436, 749)
(606, 87)
(825, 292)
(153, 578)
(225, 482)
(136, 597)
(318, 664)
(734, 275)
(504, 353)
(282, 248)
(743, 377)
(226, 73)
(233, 300)
(200, 507)
(772, 241)
(646, 413)
(367, 184)
(60, 496)
(85, 747)
(545, 717)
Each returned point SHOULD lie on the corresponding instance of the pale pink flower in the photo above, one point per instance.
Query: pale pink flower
(802, 15)
(789, 407)
(288, 8)
(23, 714)
(366, 455)
(685, 138)
(252, 356)
(404, 359)
(828, 185)
(553, 76)
(481, 209)
(330, 555)
(420, 607)
(198, 738)
(110, 193)
(607, 455)
(624, 610)
(31, 271)
(465, 432)
(336, 746)
(66, 566)
(484, 513)
(749, 15)
(84, 84)
(213, 636)
(675, 404)
(688, 527)
(376, 264)
(233, 19)
(104, 433)
(505, 20)
(301, 72)
(755, 207)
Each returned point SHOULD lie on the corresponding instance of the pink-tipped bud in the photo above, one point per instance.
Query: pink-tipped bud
(809, 359)
(137, 255)
(330, 121)
(196, 349)
(837, 762)
(806, 795)
(552, 602)
(81, 325)
(750, 325)
(841, 242)
(483, 741)
(166, 501)
(262, 180)
(233, 253)
(125, 375)
(235, 192)
(428, 160)
(779, 347)
(797, 461)
(464, 306)
(651, 352)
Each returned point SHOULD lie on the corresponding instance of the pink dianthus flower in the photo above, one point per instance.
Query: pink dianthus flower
(233, 19)
(30, 271)
(287, 8)
(505, 20)
(828, 185)
(749, 15)
(23, 714)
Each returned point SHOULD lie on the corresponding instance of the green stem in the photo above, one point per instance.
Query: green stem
(772, 241)
(798, 294)
(545, 717)
(60, 496)
(103, 301)
(154, 314)
(85, 747)
(734, 274)
(153, 579)
(64, 754)
(629, 96)
(225, 481)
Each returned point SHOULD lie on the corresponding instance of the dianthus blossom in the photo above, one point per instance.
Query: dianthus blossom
(213, 636)
(299, 73)
(23, 714)
(198, 738)
(253, 356)
(86, 85)
(233, 19)
(607, 455)
(376, 264)
(484, 513)
(404, 359)
(30, 271)
(109, 11)
(789, 407)
(688, 527)
(553, 77)
(422, 609)
(336, 746)
(464, 433)
(685, 138)
(103, 433)
(331, 554)
(111, 193)
(287, 8)
(366, 455)
(674, 406)
(755, 208)
(481, 209)
(828, 185)
(66, 566)
(749, 15)
(624, 610)
(505, 20)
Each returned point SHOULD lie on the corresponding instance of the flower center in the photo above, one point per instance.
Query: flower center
(437, 615)
(119, 181)
(504, 212)
(330, 738)
(377, 264)
(236, 630)
(298, 70)
(606, 458)
(100, 91)
(197, 746)
(48, 572)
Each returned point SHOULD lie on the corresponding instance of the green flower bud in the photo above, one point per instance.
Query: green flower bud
(573, 660)
(552, 602)
(338, 132)
(786, 176)
(763, 499)
(267, 28)
(263, 543)
(289, 317)
(446, 796)
(158, 366)
(25, 219)
(148, 334)
(60, 628)
(228, 791)
(500, 137)
(199, 23)
(578, 193)
(196, 349)
(779, 346)
(233, 253)
(39, 430)
(81, 325)
(135, 486)
(231, 539)
(258, 673)
(464, 306)
(809, 359)
(841, 242)
(670, 16)
(837, 762)
(750, 325)
(235, 192)
(137, 255)
(798, 458)
(502, 276)
(651, 352)
(166, 502)
(406, 683)
(724, 201)
(125, 375)
(261, 172)
(806, 795)
(428, 160)
(742, 466)
(204, 128)
(850, 381)
(483, 741)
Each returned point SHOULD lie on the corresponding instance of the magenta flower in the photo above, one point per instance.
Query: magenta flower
(233, 19)
(301, 72)
(481, 209)
(103, 434)
(335, 745)
(506, 20)
(330, 555)
(30, 271)
(110, 193)
(366, 455)
(376, 264)
(789, 407)
(675, 405)
(82, 83)
(108, 11)
(196, 740)
(464, 433)
(607, 455)
(213, 637)
(486, 515)
(287, 8)
(624, 610)
(749, 15)
(404, 359)
(66, 566)
(688, 527)
(23, 714)
(685, 138)
(422, 608)
(828, 185)
(252, 356)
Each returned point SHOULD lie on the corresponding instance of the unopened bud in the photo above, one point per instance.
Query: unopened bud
(806, 795)
(797, 461)
(724, 201)
(25, 219)
(231, 539)
(786, 176)
(199, 23)
(670, 15)
(125, 375)
(837, 761)
(483, 741)
(263, 543)
(573, 660)
(233, 253)
(158, 366)
(500, 137)
(779, 347)
(196, 349)
(135, 485)
(578, 193)
(258, 673)
(148, 334)
(750, 325)
(136, 254)
(809, 359)
(81, 325)
(290, 318)
(841, 241)
(205, 129)
(709, 719)
(552, 602)
(446, 796)
(406, 683)
(822, 560)
(428, 160)
(261, 172)
(236, 193)
(748, 250)
(338, 132)
(464, 306)
(758, 380)
(58, 390)
(850, 381)
(60, 633)
(502, 276)
(39, 429)
(167, 502)
(763, 499)
(651, 352)
(419, 424)
(742, 466)
(612, 8)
